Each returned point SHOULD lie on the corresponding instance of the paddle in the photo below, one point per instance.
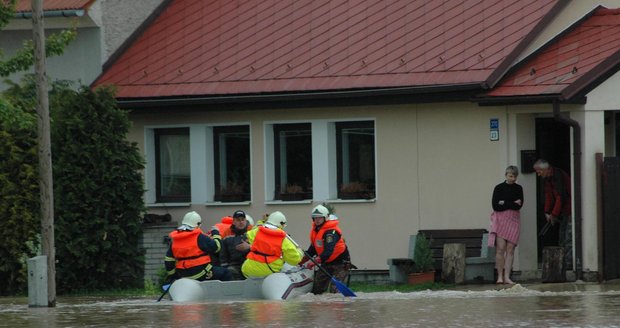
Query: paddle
(166, 289)
(342, 288)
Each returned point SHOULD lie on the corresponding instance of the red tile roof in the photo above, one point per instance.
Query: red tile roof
(49, 5)
(569, 63)
(217, 47)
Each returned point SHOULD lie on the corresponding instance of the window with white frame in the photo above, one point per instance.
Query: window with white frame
(231, 148)
(172, 165)
(355, 153)
(292, 161)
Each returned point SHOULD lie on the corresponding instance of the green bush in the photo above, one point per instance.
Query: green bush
(19, 191)
(98, 190)
(422, 256)
(98, 193)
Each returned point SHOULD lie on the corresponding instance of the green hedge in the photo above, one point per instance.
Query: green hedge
(98, 189)
(19, 194)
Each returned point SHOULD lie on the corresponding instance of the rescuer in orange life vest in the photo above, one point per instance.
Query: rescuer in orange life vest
(329, 249)
(188, 254)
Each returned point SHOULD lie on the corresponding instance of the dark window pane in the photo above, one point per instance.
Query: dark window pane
(232, 163)
(293, 161)
(356, 159)
(172, 165)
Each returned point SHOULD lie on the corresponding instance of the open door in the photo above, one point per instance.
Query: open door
(611, 218)
(552, 144)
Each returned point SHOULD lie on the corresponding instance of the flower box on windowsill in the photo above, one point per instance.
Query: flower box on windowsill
(292, 197)
(356, 195)
(233, 198)
(355, 190)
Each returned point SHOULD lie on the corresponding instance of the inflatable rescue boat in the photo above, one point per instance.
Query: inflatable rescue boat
(289, 283)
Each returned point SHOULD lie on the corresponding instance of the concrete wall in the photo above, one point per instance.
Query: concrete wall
(155, 246)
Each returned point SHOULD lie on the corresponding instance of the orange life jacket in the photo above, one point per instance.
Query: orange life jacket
(316, 237)
(224, 226)
(186, 251)
(267, 245)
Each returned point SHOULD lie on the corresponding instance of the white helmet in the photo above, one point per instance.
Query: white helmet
(191, 219)
(320, 211)
(277, 219)
(249, 219)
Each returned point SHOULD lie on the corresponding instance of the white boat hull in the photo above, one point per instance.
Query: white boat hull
(284, 285)
(287, 285)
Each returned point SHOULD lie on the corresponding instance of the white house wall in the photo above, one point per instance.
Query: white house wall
(526, 256)
(435, 163)
(597, 137)
(106, 25)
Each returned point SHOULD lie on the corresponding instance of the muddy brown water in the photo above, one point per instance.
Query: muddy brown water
(563, 305)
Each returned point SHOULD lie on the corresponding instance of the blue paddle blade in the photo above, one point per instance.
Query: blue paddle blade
(343, 289)
(165, 287)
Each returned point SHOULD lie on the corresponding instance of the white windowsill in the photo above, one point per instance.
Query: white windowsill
(209, 204)
(168, 205)
(295, 202)
(336, 201)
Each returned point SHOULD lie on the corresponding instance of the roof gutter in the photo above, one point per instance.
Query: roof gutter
(296, 96)
(52, 13)
(577, 218)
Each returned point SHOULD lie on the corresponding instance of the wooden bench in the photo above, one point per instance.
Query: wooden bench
(479, 258)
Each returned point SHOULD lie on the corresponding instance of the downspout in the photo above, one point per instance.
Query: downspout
(577, 217)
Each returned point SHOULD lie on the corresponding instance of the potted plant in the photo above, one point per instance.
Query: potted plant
(355, 190)
(231, 192)
(423, 263)
(292, 192)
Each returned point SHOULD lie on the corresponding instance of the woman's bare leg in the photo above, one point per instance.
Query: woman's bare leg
(510, 254)
(500, 260)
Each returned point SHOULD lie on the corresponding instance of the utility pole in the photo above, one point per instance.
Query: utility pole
(46, 184)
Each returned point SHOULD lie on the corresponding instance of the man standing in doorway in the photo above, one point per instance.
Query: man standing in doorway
(557, 188)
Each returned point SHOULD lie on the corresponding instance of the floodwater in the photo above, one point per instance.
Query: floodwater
(546, 305)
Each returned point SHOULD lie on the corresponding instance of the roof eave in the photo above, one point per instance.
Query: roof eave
(593, 78)
(506, 64)
(527, 100)
(53, 13)
(319, 98)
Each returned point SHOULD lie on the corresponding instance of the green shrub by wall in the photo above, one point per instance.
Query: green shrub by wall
(19, 194)
(98, 191)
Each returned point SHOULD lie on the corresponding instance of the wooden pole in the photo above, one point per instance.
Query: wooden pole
(45, 151)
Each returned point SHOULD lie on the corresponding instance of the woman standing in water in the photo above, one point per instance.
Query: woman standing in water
(505, 223)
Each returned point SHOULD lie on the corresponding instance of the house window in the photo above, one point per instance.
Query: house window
(355, 153)
(293, 161)
(172, 165)
(231, 145)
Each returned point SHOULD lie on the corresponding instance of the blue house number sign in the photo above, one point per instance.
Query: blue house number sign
(494, 133)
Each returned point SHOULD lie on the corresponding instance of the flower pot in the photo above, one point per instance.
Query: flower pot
(420, 277)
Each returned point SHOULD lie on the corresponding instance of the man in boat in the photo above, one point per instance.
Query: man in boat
(328, 249)
(270, 248)
(224, 226)
(235, 246)
(188, 254)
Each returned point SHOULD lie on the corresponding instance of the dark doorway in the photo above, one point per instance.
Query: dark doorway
(611, 218)
(552, 144)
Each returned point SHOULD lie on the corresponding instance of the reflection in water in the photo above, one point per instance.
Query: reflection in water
(592, 306)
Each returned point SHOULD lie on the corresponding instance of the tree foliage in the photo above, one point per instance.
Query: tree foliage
(19, 187)
(23, 59)
(98, 189)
